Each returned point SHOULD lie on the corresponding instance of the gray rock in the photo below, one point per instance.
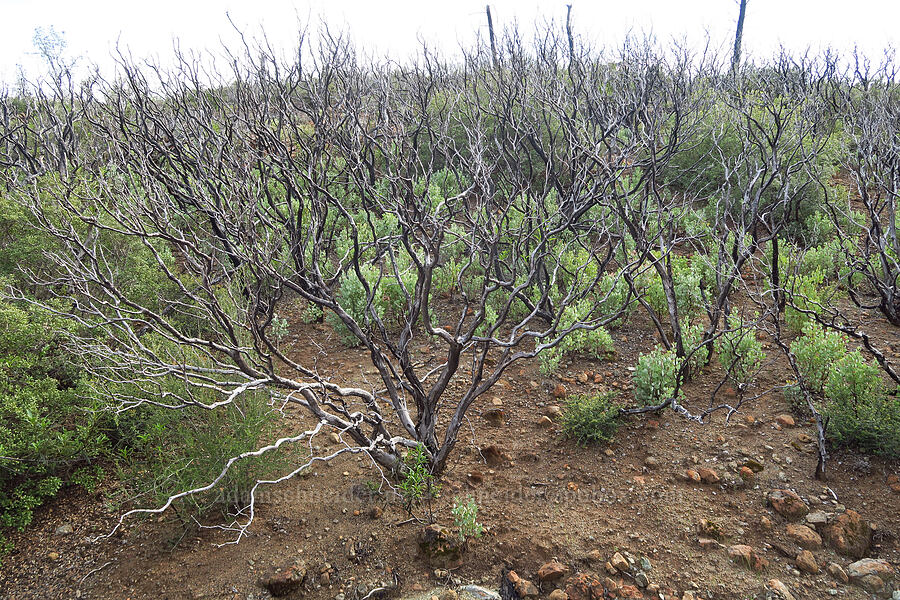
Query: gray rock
(65, 529)
(476, 592)
(645, 564)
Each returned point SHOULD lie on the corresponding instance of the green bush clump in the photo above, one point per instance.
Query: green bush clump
(655, 377)
(805, 292)
(594, 342)
(859, 411)
(46, 429)
(591, 419)
(817, 351)
(740, 353)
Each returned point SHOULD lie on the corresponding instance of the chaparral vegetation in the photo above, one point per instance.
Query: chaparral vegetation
(219, 277)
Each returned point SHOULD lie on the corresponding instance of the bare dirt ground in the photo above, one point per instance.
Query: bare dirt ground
(544, 497)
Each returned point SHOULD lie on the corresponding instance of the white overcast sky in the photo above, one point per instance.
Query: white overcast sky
(91, 27)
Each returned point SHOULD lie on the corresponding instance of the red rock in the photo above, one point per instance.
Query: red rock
(708, 476)
(559, 391)
(629, 591)
(583, 586)
(287, 579)
(748, 557)
(806, 562)
(746, 473)
(871, 566)
(788, 504)
(493, 455)
(893, 479)
(785, 420)
(804, 537)
(849, 534)
(552, 571)
(838, 573)
(692, 475)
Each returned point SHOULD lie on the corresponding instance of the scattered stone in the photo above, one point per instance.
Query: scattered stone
(788, 504)
(334, 438)
(692, 476)
(804, 537)
(837, 572)
(65, 529)
(871, 566)
(754, 465)
(785, 420)
(476, 592)
(641, 579)
(806, 562)
(849, 534)
(619, 563)
(448, 595)
(688, 596)
(494, 416)
(776, 590)
(545, 422)
(710, 529)
(552, 571)
(595, 556)
(628, 591)
(708, 543)
(651, 462)
(765, 523)
(522, 587)
(817, 518)
(375, 512)
(645, 564)
(286, 579)
(747, 556)
(746, 473)
(559, 391)
(611, 585)
(493, 455)
(558, 595)
(441, 547)
(708, 475)
(52, 555)
(583, 586)
(553, 411)
(475, 477)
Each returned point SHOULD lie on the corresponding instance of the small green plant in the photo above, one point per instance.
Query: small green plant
(279, 329)
(655, 377)
(417, 483)
(594, 342)
(465, 516)
(591, 419)
(740, 353)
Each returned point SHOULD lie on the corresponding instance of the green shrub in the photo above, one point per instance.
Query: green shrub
(740, 353)
(416, 481)
(591, 419)
(593, 342)
(465, 515)
(655, 377)
(817, 352)
(47, 429)
(859, 411)
(805, 292)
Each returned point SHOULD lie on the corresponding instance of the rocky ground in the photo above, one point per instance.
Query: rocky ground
(671, 509)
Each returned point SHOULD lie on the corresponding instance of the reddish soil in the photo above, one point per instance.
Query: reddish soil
(548, 498)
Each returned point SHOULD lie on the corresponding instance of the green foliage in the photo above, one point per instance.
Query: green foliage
(593, 342)
(165, 451)
(45, 431)
(805, 292)
(687, 278)
(465, 515)
(740, 353)
(655, 377)
(817, 351)
(416, 481)
(859, 411)
(591, 419)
